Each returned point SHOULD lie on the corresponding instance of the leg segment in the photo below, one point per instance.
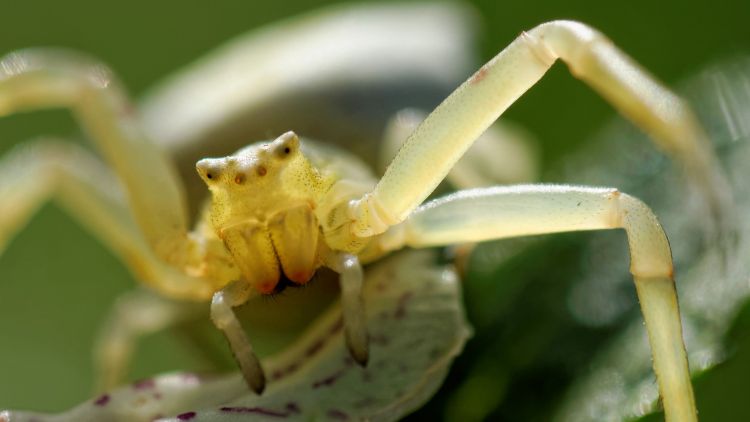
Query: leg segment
(483, 214)
(34, 79)
(135, 314)
(433, 149)
(223, 316)
(503, 154)
(32, 173)
(352, 304)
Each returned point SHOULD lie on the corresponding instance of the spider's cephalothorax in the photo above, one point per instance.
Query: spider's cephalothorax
(263, 208)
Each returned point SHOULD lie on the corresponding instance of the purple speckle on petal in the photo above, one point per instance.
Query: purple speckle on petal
(336, 327)
(144, 384)
(186, 416)
(329, 380)
(293, 408)
(314, 348)
(256, 410)
(282, 372)
(102, 400)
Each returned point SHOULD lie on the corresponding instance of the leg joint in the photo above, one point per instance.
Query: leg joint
(650, 254)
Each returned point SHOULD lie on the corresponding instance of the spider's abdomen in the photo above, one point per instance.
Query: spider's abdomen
(288, 242)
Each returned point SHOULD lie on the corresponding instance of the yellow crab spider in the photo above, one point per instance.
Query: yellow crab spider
(282, 209)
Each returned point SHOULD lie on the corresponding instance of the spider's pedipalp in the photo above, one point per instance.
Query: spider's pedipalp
(352, 304)
(235, 294)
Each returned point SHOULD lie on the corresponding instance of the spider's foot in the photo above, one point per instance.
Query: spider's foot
(252, 372)
(357, 341)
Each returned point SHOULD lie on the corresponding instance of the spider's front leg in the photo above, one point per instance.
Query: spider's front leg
(145, 225)
(438, 143)
(36, 172)
(33, 79)
(504, 154)
(501, 212)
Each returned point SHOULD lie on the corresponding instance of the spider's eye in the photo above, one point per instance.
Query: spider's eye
(239, 178)
(285, 144)
(209, 169)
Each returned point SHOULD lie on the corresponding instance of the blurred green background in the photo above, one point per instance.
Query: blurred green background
(56, 282)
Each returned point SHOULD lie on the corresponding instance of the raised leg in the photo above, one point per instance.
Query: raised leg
(433, 149)
(503, 154)
(32, 79)
(352, 304)
(35, 172)
(483, 214)
(134, 315)
(234, 294)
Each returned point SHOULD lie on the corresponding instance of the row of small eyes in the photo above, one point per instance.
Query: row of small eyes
(260, 170)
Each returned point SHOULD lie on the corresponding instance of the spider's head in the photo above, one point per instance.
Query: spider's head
(259, 180)
(252, 165)
(264, 188)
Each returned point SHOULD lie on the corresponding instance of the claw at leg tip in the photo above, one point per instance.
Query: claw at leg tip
(360, 354)
(362, 359)
(257, 383)
(260, 388)
(253, 373)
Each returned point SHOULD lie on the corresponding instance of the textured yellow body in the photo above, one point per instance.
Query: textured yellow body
(279, 207)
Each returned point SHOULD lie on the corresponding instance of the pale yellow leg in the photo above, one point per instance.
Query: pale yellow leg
(352, 304)
(503, 154)
(80, 183)
(223, 316)
(433, 149)
(493, 213)
(32, 79)
(134, 315)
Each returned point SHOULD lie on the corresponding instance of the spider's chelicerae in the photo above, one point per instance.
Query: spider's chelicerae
(284, 208)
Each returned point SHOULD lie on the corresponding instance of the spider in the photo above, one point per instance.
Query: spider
(281, 209)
